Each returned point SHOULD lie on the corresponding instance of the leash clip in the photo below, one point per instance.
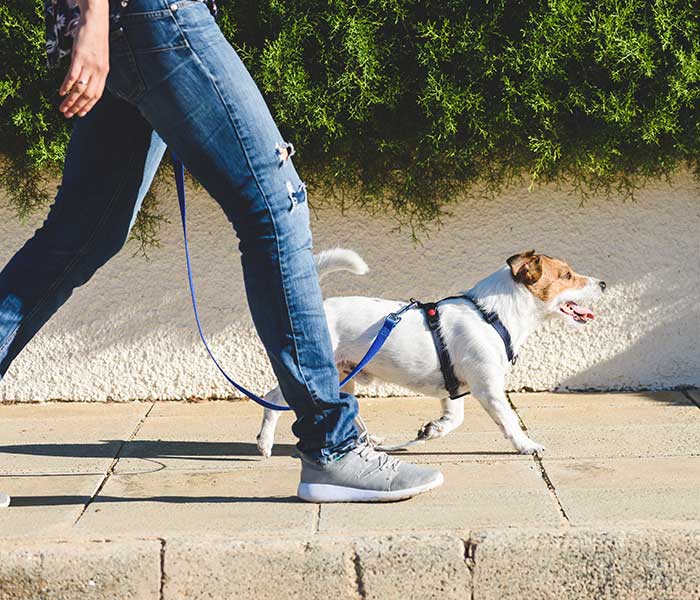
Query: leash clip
(395, 317)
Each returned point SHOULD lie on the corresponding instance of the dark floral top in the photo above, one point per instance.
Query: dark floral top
(62, 18)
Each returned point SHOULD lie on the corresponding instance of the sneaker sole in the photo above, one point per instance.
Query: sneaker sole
(323, 492)
(4, 500)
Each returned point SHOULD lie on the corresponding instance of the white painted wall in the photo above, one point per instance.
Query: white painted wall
(129, 333)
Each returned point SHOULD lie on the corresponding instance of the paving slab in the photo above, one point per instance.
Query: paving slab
(394, 415)
(473, 495)
(404, 416)
(208, 502)
(397, 420)
(458, 447)
(628, 491)
(53, 571)
(413, 567)
(210, 518)
(577, 565)
(611, 425)
(59, 438)
(44, 505)
(616, 442)
(552, 399)
(20, 572)
(203, 443)
(608, 415)
(221, 435)
(264, 570)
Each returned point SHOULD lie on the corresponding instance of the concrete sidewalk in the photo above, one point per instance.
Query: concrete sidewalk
(171, 500)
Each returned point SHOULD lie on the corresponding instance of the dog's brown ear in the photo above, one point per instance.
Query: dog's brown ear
(526, 267)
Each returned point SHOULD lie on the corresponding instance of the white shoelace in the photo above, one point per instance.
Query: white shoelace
(384, 460)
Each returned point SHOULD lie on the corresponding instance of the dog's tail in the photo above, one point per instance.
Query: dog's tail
(340, 259)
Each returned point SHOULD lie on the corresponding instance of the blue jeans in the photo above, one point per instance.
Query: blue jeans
(174, 80)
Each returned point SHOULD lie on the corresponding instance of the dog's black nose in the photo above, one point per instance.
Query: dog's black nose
(603, 285)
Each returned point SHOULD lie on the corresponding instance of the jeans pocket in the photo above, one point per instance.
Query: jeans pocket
(123, 79)
(156, 30)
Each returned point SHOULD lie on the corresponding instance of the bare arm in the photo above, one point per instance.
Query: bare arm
(89, 60)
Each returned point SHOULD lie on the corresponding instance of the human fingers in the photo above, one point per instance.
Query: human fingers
(86, 100)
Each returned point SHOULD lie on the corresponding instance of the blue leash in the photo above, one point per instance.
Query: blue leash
(391, 320)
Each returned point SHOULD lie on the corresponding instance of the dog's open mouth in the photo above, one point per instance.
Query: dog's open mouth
(580, 314)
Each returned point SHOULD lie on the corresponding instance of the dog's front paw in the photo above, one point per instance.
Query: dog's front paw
(431, 430)
(265, 444)
(528, 446)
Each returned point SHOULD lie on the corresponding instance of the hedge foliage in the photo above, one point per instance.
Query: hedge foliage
(405, 103)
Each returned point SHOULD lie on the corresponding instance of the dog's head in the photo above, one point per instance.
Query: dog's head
(562, 291)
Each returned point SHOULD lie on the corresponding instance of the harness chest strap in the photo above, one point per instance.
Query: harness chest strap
(494, 320)
(432, 317)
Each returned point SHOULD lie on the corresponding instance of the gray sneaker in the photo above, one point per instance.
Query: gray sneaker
(364, 475)
(4, 500)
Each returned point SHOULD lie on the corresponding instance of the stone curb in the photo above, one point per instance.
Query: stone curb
(562, 564)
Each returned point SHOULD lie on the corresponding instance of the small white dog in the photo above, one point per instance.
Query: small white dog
(529, 290)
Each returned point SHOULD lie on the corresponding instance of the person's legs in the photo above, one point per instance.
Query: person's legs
(112, 156)
(194, 90)
(191, 86)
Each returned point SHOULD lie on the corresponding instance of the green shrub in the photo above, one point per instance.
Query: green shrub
(404, 103)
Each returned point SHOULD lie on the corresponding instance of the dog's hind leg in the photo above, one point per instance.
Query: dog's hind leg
(452, 417)
(496, 403)
(266, 436)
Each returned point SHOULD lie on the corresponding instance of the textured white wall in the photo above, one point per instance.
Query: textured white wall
(129, 333)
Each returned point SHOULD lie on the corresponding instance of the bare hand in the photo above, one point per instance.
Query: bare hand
(85, 81)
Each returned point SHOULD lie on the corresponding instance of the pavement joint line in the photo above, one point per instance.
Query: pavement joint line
(317, 519)
(161, 594)
(359, 578)
(543, 472)
(115, 460)
(551, 488)
(470, 562)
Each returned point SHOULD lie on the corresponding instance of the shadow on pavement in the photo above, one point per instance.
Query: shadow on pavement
(25, 501)
(154, 449)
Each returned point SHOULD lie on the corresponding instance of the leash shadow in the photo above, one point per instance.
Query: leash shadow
(408, 455)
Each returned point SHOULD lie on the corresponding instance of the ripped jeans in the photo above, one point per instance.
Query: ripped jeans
(174, 80)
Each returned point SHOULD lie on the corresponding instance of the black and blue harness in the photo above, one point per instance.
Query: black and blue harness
(430, 310)
(432, 317)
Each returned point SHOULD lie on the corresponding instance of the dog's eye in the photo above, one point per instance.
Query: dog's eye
(567, 275)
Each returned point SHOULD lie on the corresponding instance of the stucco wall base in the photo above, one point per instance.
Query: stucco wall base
(130, 333)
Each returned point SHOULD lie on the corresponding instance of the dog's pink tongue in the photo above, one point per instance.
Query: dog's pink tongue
(582, 311)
